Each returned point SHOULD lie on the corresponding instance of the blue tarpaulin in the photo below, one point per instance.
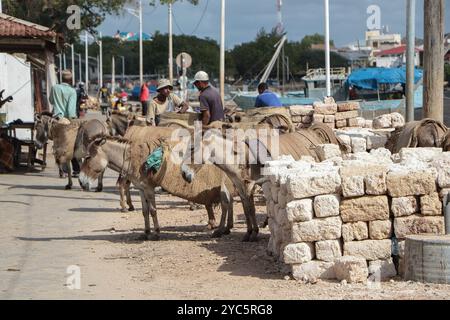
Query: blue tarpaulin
(371, 78)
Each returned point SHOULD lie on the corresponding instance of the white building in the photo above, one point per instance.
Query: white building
(378, 40)
(395, 57)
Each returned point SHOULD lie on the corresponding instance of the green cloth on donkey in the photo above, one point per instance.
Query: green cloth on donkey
(154, 160)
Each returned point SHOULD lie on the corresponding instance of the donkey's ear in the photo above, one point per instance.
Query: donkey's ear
(37, 117)
(100, 141)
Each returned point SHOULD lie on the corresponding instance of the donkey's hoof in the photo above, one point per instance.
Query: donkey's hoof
(246, 237)
(227, 231)
(217, 234)
(68, 187)
(131, 209)
(253, 237)
(99, 189)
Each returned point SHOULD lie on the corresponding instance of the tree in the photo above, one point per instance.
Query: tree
(309, 40)
(53, 13)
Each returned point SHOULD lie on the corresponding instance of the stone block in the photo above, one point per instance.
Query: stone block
(408, 155)
(325, 109)
(348, 106)
(314, 183)
(367, 208)
(380, 229)
(317, 230)
(331, 125)
(274, 190)
(351, 269)
(297, 253)
(368, 124)
(355, 231)
(431, 205)
(411, 183)
(346, 115)
(326, 206)
(383, 121)
(313, 270)
(382, 270)
(318, 118)
(301, 110)
(357, 122)
(266, 187)
(300, 210)
(341, 124)
(404, 206)
(352, 186)
(327, 151)
(369, 249)
(416, 224)
(397, 120)
(359, 144)
(375, 182)
(328, 250)
(297, 119)
(329, 118)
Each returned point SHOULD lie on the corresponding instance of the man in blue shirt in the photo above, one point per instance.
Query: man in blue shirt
(266, 98)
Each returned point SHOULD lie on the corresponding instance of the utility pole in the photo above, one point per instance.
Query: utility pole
(87, 61)
(222, 53)
(141, 47)
(327, 47)
(113, 75)
(410, 58)
(170, 44)
(73, 64)
(100, 44)
(433, 64)
(138, 14)
(123, 69)
(80, 67)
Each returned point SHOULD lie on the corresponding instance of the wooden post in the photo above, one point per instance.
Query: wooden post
(433, 95)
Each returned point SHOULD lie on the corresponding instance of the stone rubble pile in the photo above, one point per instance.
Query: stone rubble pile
(347, 218)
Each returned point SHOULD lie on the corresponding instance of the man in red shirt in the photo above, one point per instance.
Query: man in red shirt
(145, 98)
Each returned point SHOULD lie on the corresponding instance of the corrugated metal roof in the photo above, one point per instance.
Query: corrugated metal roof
(395, 51)
(14, 27)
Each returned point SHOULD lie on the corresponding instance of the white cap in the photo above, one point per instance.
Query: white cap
(201, 76)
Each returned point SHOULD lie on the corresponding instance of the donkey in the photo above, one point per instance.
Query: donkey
(128, 158)
(70, 140)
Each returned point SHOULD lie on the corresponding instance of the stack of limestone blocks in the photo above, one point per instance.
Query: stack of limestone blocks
(334, 115)
(367, 139)
(345, 219)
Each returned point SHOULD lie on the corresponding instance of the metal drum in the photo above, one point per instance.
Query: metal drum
(427, 258)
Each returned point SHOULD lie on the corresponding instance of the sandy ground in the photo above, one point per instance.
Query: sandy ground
(45, 229)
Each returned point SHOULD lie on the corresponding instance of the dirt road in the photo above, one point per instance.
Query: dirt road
(48, 234)
(45, 230)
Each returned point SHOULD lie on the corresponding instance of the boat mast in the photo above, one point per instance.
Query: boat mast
(327, 47)
(280, 31)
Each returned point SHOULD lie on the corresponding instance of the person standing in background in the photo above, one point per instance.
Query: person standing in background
(144, 98)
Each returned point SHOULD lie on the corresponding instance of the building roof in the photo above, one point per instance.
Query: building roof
(12, 27)
(395, 51)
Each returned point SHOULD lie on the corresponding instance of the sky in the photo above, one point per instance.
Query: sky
(348, 19)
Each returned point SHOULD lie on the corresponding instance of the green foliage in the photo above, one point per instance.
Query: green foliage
(310, 40)
(53, 13)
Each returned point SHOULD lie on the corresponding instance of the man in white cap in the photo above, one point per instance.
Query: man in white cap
(210, 101)
(165, 101)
